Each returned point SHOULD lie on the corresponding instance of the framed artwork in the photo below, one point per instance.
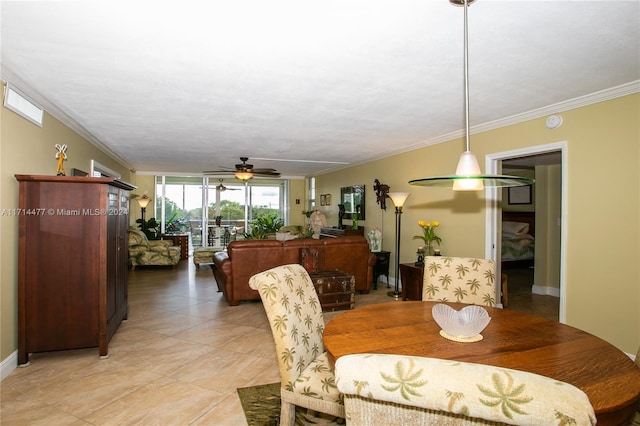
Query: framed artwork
(322, 199)
(327, 199)
(520, 195)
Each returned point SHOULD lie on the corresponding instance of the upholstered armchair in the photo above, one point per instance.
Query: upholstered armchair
(381, 389)
(295, 316)
(459, 279)
(155, 252)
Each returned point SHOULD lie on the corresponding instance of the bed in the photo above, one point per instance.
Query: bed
(518, 239)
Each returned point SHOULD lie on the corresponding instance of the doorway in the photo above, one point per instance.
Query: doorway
(549, 257)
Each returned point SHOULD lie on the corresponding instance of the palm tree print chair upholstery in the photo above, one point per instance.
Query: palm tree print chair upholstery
(459, 279)
(383, 389)
(295, 316)
(151, 252)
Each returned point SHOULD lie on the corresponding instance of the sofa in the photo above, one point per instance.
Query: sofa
(243, 259)
(151, 252)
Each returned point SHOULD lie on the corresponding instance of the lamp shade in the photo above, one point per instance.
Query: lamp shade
(399, 198)
(143, 201)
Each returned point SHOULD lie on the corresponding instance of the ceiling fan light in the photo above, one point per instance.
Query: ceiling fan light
(244, 176)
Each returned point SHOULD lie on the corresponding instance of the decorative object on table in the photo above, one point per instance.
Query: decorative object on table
(382, 192)
(398, 199)
(436, 252)
(317, 221)
(375, 240)
(428, 235)
(218, 220)
(61, 155)
(341, 212)
(464, 325)
(420, 256)
(468, 176)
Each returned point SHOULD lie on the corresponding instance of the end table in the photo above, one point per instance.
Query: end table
(381, 267)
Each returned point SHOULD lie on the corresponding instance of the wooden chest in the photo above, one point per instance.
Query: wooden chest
(336, 289)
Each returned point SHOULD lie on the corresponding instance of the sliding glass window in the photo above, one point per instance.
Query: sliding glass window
(208, 208)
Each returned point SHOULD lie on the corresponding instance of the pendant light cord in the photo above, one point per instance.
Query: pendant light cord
(466, 76)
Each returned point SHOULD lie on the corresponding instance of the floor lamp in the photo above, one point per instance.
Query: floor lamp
(144, 202)
(398, 199)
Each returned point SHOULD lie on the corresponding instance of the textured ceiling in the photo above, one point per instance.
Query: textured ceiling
(186, 86)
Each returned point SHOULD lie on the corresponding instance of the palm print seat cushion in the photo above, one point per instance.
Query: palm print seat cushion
(453, 389)
(295, 316)
(459, 279)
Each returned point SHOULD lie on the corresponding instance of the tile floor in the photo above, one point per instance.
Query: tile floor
(177, 360)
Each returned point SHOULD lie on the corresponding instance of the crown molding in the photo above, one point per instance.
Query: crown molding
(581, 101)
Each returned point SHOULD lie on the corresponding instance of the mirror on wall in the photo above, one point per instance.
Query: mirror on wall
(352, 197)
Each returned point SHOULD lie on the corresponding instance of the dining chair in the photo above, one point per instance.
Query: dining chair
(459, 279)
(295, 316)
(383, 389)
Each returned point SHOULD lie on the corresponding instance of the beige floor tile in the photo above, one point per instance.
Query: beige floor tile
(162, 402)
(88, 389)
(22, 409)
(227, 413)
(223, 370)
(166, 355)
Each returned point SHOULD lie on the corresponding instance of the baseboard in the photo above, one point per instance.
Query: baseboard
(546, 291)
(8, 365)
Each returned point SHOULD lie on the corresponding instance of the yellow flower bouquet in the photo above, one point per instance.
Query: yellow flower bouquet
(428, 235)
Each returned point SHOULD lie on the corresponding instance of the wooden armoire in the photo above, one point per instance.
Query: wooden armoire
(72, 262)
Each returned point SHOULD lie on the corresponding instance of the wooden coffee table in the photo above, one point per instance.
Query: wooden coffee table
(512, 340)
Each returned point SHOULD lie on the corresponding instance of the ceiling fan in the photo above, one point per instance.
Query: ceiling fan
(245, 171)
(222, 188)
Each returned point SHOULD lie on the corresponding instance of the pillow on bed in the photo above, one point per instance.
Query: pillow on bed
(515, 227)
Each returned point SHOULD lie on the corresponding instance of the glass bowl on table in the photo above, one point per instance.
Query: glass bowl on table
(464, 325)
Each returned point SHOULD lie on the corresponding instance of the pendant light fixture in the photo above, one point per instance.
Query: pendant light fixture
(468, 176)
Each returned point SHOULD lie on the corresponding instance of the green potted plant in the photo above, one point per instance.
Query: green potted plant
(263, 225)
(151, 228)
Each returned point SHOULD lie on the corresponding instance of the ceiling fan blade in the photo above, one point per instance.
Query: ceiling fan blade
(269, 175)
(219, 172)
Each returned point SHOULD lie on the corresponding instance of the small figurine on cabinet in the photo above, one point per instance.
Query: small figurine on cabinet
(61, 155)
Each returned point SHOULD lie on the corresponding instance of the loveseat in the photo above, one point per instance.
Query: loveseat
(151, 252)
(245, 258)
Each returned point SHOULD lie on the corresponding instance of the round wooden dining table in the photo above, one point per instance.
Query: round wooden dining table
(512, 340)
